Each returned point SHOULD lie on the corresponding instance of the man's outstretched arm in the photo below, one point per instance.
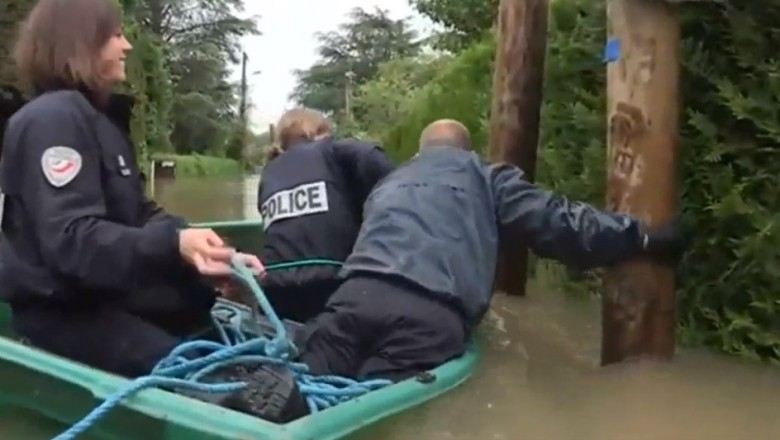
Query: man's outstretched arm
(573, 233)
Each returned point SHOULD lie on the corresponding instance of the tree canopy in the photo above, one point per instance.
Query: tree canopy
(179, 71)
(352, 53)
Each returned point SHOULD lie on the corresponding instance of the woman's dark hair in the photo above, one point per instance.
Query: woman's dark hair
(59, 43)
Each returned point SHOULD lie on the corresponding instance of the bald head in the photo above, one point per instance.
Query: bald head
(446, 132)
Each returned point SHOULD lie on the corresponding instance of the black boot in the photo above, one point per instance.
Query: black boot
(272, 395)
(233, 373)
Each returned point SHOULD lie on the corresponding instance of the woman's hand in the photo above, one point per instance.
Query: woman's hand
(204, 249)
(208, 253)
(253, 263)
(220, 268)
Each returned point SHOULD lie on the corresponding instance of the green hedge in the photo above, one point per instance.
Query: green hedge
(202, 166)
(461, 91)
(729, 144)
(148, 81)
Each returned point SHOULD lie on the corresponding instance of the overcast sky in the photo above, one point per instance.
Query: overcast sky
(288, 43)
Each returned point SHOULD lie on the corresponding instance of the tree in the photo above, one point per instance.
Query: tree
(382, 100)
(465, 21)
(191, 23)
(148, 81)
(460, 90)
(201, 40)
(11, 13)
(204, 102)
(359, 46)
(183, 51)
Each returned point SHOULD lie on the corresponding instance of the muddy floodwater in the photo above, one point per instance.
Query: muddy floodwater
(539, 377)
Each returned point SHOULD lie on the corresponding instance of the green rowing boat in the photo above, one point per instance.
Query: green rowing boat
(65, 391)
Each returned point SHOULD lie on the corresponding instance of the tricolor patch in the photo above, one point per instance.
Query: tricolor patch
(60, 165)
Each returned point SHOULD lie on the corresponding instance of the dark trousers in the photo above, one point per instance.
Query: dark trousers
(125, 336)
(300, 303)
(378, 328)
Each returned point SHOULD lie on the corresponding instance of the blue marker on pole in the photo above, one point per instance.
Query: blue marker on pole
(612, 50)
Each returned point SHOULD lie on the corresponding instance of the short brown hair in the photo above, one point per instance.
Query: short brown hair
(60, 41)
(299, 124)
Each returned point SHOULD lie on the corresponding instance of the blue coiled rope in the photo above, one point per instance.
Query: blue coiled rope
(188, 363)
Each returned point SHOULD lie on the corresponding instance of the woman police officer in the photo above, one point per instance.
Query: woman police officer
(91, 268)
(311, 197)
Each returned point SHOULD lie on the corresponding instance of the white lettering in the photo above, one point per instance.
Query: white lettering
(306, 199)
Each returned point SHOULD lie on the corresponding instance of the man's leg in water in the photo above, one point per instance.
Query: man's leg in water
(378, 328)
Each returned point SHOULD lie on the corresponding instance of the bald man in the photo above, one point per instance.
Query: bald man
(446, 132)
(421, 273)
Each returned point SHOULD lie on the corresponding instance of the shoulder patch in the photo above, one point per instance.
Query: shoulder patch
(60, 165)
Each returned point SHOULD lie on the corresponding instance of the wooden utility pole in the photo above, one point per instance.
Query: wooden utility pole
(242, 110)
(350, 75)
(514, 118)
(242, 102)
(638, 316)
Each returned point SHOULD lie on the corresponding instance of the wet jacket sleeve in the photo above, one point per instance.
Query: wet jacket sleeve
(75, 238)
(366, 163)
(573, 233)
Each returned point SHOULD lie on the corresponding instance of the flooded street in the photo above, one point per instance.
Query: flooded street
(539, 377)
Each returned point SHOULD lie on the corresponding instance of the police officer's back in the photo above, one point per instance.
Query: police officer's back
(435, 222)
(311, 199)
(421, 272)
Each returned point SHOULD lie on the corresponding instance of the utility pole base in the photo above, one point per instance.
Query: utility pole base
(638, 316)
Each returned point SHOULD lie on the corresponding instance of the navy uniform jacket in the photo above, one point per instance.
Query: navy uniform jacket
(76, 219)
(436, 222)
(311, 199)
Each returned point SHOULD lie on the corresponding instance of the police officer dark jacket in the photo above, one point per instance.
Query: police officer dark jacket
(409, 232)
(311, 200)
(75, 218)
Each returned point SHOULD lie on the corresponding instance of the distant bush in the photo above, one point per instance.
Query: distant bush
(201, 166)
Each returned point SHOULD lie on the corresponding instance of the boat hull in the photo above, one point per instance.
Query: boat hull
(65, 391)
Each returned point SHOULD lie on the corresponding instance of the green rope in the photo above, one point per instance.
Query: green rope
(301, 263)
